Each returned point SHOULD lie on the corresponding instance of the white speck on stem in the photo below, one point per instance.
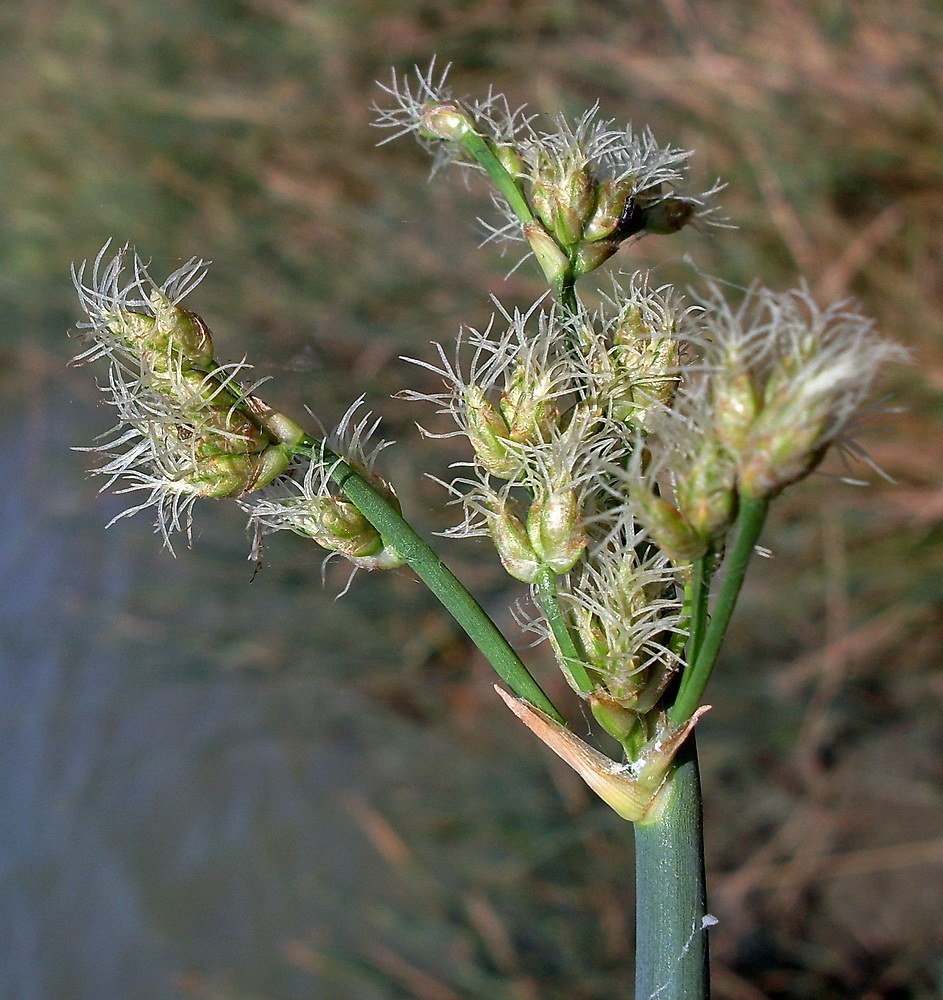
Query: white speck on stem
(708, 920)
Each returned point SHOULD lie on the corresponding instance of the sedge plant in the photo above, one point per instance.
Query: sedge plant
(621, 459)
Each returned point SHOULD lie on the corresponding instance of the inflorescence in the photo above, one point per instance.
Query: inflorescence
(190, 427)
(612, 451)
(586, 186)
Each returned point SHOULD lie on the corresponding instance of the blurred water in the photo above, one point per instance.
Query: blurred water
(159, 814)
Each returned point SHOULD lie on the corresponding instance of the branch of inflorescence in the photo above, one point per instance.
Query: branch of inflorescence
(434, 573)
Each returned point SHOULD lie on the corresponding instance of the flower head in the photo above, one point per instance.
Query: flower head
(636, 351)
(788, 379)
(507, 394)
(593, 185)
(625, 607)
(130, 315)
(308, 505)
(574, 193)
(422, 105)
(187, 426)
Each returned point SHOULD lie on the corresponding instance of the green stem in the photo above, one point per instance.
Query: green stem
(479, 149)
(550, 605)
(700, 591)
(436, 575)
(566, 297)
(749, 524)
(671, 953)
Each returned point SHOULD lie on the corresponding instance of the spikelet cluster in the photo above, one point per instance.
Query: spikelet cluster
(309, 505)
(190, 427)
(552, 405)
(588, 185)
(611, 451)
(779, 379)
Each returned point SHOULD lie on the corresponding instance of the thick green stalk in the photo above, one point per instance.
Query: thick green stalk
(398, 533)
(560, 628)
(671, 954)
(749, 524)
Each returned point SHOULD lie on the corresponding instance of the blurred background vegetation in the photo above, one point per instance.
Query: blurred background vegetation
(223, 787)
